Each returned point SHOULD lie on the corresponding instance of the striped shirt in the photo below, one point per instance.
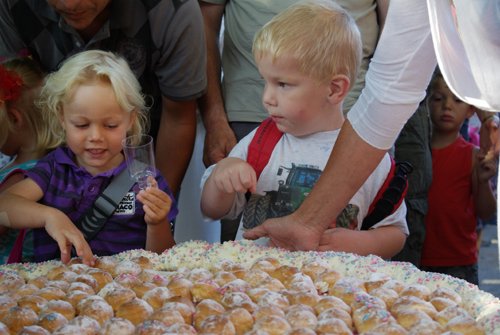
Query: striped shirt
(163, 42)
(73, 190)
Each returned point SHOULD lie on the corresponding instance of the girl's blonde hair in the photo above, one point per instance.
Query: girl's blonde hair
(86, 67)
(31, 78)
(320, 35)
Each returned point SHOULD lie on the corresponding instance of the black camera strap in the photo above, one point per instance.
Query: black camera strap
(95, 218)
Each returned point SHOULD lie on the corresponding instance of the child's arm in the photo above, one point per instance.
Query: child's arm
(10, 180)
(483, 170)
(19, 209)
(385, 241)
(156, 205)
(229, 177)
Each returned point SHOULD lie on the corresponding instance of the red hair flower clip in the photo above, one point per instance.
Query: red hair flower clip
(10, 85)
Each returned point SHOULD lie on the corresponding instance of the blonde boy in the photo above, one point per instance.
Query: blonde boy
(308, 56)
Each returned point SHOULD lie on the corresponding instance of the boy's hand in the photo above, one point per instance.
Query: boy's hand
(486, 167)
(489, 135)
(66, 234)
(156, 203)
(234, 175)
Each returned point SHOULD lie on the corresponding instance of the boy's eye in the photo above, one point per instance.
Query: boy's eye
(281, 84)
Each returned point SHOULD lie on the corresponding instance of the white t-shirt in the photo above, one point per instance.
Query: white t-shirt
(293, 168)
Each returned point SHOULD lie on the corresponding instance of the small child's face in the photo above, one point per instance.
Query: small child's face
(446, 110)
(297, 103)
(95, 126)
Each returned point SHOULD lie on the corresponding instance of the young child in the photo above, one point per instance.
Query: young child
(460, 190)
(24, 133)
(94, 102)
(308, 56)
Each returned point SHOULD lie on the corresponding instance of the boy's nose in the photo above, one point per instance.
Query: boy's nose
(448, 103)
(268, 97)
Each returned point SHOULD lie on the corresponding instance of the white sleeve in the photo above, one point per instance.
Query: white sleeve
(467, 43)
(398, 75)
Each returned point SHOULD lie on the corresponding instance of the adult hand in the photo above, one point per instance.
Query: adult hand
(287, 232)
(219, 141)
(65, 233)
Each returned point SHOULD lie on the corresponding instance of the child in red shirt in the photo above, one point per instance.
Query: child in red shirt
(460, 190)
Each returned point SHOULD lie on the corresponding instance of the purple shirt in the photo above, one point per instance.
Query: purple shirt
(73, 190)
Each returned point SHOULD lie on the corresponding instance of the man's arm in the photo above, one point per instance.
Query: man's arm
(219, 138)
(382, 7)
(175, 140)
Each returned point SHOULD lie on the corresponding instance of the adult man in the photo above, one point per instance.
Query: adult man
(162, 40)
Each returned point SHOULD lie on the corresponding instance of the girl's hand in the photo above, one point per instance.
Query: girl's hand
(66, 234)
(234, 175)
(156, 203)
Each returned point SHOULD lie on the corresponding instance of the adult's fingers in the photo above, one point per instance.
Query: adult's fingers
(255, 233)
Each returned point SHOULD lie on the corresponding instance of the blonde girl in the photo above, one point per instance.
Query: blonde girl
(93, 101)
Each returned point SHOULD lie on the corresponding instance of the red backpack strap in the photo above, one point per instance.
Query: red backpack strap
(390, 195)
(262, 145)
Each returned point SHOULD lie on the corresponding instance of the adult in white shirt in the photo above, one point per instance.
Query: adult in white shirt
(459, 35)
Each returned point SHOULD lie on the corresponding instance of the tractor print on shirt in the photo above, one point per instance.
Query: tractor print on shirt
(290, 194)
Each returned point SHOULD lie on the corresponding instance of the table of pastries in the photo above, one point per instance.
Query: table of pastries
(239, 288)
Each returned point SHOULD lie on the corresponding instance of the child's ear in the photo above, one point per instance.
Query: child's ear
(15, 116)
(339, 87)
(133, 120)
(61, 119)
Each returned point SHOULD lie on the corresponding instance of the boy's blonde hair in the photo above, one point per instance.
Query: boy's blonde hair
(31, 79)
(320, 35)
(86, 67)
